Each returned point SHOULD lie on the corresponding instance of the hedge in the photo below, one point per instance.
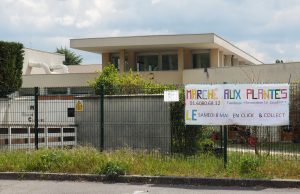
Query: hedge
(11, 64)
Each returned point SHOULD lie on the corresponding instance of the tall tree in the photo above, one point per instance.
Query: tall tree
(70, 57)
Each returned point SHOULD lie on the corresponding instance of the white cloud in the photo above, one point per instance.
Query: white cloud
(57, 41)
(155, 1)
(254, 49)
(66, 20)
(266, 29)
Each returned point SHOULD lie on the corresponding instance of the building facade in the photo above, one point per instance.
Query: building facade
(165, 58)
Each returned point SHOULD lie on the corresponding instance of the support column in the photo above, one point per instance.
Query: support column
(235, 62)
(105, 59)
(227, 60)
(187, 59)
(122, 61)
(132, 60)
(181, 63)
(214, 58)
(221, 59)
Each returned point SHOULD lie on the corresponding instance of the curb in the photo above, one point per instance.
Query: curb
(161, 180)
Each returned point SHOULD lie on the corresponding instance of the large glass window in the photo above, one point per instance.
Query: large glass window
(201, 60)
(115, 59)
(147, 63)
(169, 62)
(157, 61)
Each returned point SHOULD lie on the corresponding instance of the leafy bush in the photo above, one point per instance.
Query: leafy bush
(11, 64)
(249, 165)
(113, 169)
(205, 143)
(111, 82)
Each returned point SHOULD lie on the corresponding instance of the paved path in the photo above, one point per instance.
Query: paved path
(65, 187)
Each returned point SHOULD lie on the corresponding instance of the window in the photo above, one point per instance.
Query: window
(147, 63)
(57, 91)
(157, 61)
(169, 62)
(115, 59)
(201, 60)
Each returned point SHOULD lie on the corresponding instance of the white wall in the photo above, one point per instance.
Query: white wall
(271, 73)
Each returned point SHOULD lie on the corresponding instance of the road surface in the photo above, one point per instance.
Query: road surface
(65, 187)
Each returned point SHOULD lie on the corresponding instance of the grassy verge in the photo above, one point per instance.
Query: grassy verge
(89, 160)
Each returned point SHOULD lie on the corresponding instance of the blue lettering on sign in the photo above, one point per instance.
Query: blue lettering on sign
(194, 112)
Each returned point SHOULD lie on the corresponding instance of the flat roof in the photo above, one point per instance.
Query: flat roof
(161, 42)
(86, 68)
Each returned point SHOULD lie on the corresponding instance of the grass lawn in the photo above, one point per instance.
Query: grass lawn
(89, 160)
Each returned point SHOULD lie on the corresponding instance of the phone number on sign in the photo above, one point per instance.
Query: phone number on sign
(205, 102)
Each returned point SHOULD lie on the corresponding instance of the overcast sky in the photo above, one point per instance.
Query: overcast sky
(267, 29)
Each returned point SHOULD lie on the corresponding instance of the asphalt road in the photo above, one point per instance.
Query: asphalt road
(65, 187)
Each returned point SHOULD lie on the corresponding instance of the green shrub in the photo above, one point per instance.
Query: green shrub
(205, 142)
(111, 82)
(206, 145)
(113, 169)
(249, 165)
(11, 64)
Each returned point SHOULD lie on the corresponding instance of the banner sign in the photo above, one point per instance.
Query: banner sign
(237, 104)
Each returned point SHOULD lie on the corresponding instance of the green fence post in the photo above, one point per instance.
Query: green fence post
(225, 146)
(225, 135)
(36, 118)
(101, 117)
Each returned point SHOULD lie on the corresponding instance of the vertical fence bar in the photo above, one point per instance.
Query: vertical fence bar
(36, 118)
(29, 138)
(225, 135)
(221, 136)
(102, 118)
(46, 137)
(61, 137)
(225, 145)
(9, 138)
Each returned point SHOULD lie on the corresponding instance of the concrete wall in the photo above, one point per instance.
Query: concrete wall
(139, 122)
(166, 77)
(58, 80)
(40, 57)
(272, 73)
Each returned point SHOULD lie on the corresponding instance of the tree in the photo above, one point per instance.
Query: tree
(70, 57)
(278, 61)
(11, 64)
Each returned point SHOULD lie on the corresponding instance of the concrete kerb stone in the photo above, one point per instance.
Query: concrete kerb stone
(163, 180)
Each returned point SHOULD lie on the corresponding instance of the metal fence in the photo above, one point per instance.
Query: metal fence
(67, 117)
